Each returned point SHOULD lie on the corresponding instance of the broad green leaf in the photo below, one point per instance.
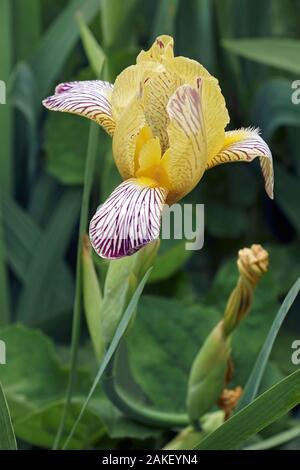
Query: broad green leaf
(66, 143)
(39, 427)
(263, 411)
(93, 50)
(123, 325)
(57, 43)
(7, 435)
(276, 52)
(255, 378)
(167, 334)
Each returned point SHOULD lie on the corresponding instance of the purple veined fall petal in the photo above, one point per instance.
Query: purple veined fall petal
(244, 145)
(90, 99)
(128, 220)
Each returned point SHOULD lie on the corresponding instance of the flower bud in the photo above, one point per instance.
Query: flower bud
(208, 373)
(252, 264)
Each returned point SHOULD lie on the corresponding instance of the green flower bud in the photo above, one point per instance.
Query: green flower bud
(208, 373)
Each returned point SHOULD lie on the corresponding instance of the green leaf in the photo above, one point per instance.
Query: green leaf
(92, 300)
(170, 259)
(6, 156)
(276, 440)
(263, 411)
(84, 212)
(66, 143)
(123, 325)
(115, 17)
(164, 22)
(27, 27)
(275, 52)
(274, 108)
(255, 378)
(22, 236)
(39, 427)
(171, 332)
(57, 43)
(50, 249)
(7, 435)
(287, 189)
(93, 50)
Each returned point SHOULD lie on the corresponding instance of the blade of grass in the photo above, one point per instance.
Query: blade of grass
(262, 412)
(88, 182)
(277, 440)
(6, 154)
(128, 314)
(7, 435)
(256, 375)
(27, 26)
(93, 50)
(58, 42)
(49, 250)
(6, 51)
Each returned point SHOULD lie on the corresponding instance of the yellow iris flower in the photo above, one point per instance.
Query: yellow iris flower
(167, 117)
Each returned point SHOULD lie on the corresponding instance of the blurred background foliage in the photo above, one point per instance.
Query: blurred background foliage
(253, 47)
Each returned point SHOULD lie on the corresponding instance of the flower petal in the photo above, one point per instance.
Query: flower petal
(185, 162)
(161, 48)
(125, 138)
(243, 146)
(128, 220)
(157, 89)
(89, 98)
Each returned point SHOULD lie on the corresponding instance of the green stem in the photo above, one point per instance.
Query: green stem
(88, 182)
(136, 411)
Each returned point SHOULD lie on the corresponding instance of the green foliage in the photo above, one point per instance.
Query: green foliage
(50, 161)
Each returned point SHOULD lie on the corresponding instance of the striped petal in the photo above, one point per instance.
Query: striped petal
(128, 220)
(243, 146)
(89, 98)
(186, 160)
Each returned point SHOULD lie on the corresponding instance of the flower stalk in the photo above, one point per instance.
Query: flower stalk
(212, 368)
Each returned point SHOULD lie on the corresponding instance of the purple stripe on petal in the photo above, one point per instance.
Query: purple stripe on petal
(128, 220)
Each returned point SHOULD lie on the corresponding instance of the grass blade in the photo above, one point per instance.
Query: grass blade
(262, 412)
(7, 435)
(6, 155)
(58, 42)
(129, 312)
(256, 375)
(48, 252)
(88, 182)
(275, 52)
(277, 440)
(93, 50)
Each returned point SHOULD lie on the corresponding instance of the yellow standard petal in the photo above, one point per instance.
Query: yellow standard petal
(162, 48)
(185, 162)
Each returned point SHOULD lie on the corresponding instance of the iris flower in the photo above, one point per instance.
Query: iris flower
(167, 118)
